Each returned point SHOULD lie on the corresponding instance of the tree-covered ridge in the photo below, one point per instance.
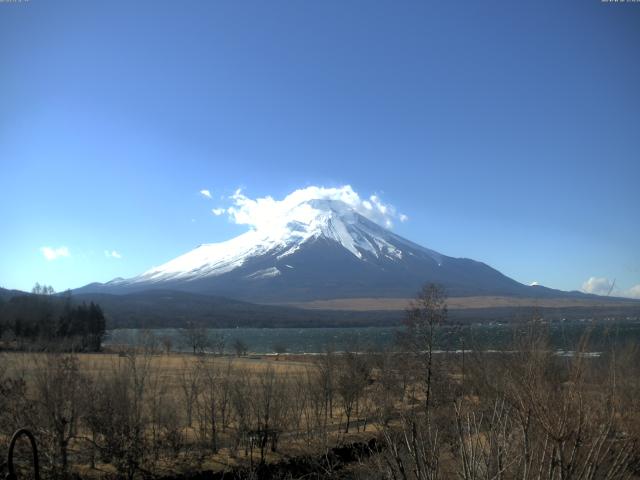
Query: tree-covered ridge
(43, 320)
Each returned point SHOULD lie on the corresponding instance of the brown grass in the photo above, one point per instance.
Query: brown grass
(171, 365)
(455, 303)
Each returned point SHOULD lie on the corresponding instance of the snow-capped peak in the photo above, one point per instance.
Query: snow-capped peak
(315, 243)
(308, 220)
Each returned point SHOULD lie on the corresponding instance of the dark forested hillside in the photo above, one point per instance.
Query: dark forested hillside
(158, 309)
(174, 309)
(43, 320)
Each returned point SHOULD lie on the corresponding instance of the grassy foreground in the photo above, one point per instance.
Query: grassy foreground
(528, 412)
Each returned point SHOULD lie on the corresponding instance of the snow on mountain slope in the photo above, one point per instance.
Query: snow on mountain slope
(313, 245)
(328, 219)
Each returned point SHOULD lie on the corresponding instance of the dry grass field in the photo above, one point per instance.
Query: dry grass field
(400, 304)
(196, 412)
(525, 413)
(171, 365)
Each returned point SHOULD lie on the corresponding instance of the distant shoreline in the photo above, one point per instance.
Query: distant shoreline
(461, 303)
(316, 340)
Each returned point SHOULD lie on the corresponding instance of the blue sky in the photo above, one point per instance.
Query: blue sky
(508, 132)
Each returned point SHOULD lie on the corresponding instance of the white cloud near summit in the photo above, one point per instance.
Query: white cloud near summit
(205, 193)
(598, 286)
(267, 212)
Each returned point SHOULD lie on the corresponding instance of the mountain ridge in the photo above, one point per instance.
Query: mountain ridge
(321, 250)
(176, 309)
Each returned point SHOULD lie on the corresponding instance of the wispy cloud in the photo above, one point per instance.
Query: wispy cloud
(51, 253)
(596, 285)
(633, 292)
(112, 254)
(218, 211)
(602, 286)
(205, 193)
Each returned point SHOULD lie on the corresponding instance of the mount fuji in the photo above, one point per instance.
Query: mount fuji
(321, 249)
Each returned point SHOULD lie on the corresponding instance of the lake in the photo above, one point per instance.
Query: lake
(563, 335)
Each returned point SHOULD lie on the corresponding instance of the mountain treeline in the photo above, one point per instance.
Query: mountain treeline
(43, 320)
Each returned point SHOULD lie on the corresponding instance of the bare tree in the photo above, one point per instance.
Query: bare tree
(16, 409)
(326, 364)
(218, 342)
(426, 313)
(189, 381)
(241, 392)
(167, 343)
(353, 376)
(269, 405)
(196, 337)
(119, 419)
(240, 347)
(315, 414)
(414, 448)
(209, 401)
(58, 383)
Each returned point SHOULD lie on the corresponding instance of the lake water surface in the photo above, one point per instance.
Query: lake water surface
(563, 336)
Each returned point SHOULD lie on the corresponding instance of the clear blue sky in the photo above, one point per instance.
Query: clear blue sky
(507, 131)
